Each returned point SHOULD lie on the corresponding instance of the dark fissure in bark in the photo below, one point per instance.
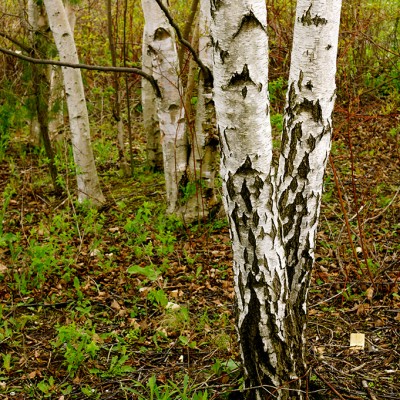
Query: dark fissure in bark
(249, 22)
(309, 106)
(246, 196)
(252, 345)
(241, 78)
(306, 18)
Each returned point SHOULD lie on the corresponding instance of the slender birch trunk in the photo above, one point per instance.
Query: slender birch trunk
(161, 47)
(151, 124)
(273, 216)
(57, 94)
(306, 143)
(87, 178)
(204, 141)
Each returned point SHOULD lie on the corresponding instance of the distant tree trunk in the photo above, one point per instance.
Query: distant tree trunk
(87, 178)
(272, 216)
(165, 68)
(38, 25)
(151, 124)
(57, 94)
(203, 162)
(123, 163)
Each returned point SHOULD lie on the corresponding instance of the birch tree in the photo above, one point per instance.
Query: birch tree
(161, 47)
(273, 215)
(204, 141)
(87, 178)
(149, 105)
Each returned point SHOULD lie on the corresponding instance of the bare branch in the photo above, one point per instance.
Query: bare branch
(208, 77)
(128, 70)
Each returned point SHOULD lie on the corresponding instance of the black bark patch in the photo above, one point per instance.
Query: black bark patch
(300, 81)
(245, 219)
(304, 167)
(246, 196)
(328, 47)
(262, 233)
(244, 92)
(311, 141)
(235, 219)
(285, 138)
(223, 55)
(258, 184)
(241, 78)
(295, 136)
(293, 185)
(246, 256)
(309, 85)
(246, 168)
(256, 219)
(283, 201)
(313, 108)
(161, 34)
(249, 22)
(256, 268)
(307, 20)
(252, 239)
(230, 187)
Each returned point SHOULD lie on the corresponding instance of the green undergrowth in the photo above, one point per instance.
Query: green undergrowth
(99, 302)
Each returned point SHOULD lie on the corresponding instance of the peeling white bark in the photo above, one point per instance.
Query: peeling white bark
(273, 217)
(87, 179)
(307, 133)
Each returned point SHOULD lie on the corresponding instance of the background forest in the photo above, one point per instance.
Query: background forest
(127, 301)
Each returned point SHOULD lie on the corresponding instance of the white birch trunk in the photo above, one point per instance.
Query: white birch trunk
(87, 179)
(56, 100)
(149, 106)
(306, 138)
(165, 65)
(204, 140)
(270, 213)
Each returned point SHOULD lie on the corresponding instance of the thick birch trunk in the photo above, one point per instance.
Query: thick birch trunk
(269, 217)
(162, 49)
(87, 179)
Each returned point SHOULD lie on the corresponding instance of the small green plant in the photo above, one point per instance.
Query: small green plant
(78, 344)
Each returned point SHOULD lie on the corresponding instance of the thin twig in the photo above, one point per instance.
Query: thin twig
(329, 385)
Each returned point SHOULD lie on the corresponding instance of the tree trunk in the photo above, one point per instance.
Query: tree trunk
(57, 94)
(87, 179)
(38, 25)
(204, 140)
(165, 68)
(273, 217)
(151, 124)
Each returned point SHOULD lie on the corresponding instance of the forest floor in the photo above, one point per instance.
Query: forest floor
(126, 303)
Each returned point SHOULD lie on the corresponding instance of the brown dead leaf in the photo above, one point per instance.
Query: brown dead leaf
(369, 293)
(115, 305)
